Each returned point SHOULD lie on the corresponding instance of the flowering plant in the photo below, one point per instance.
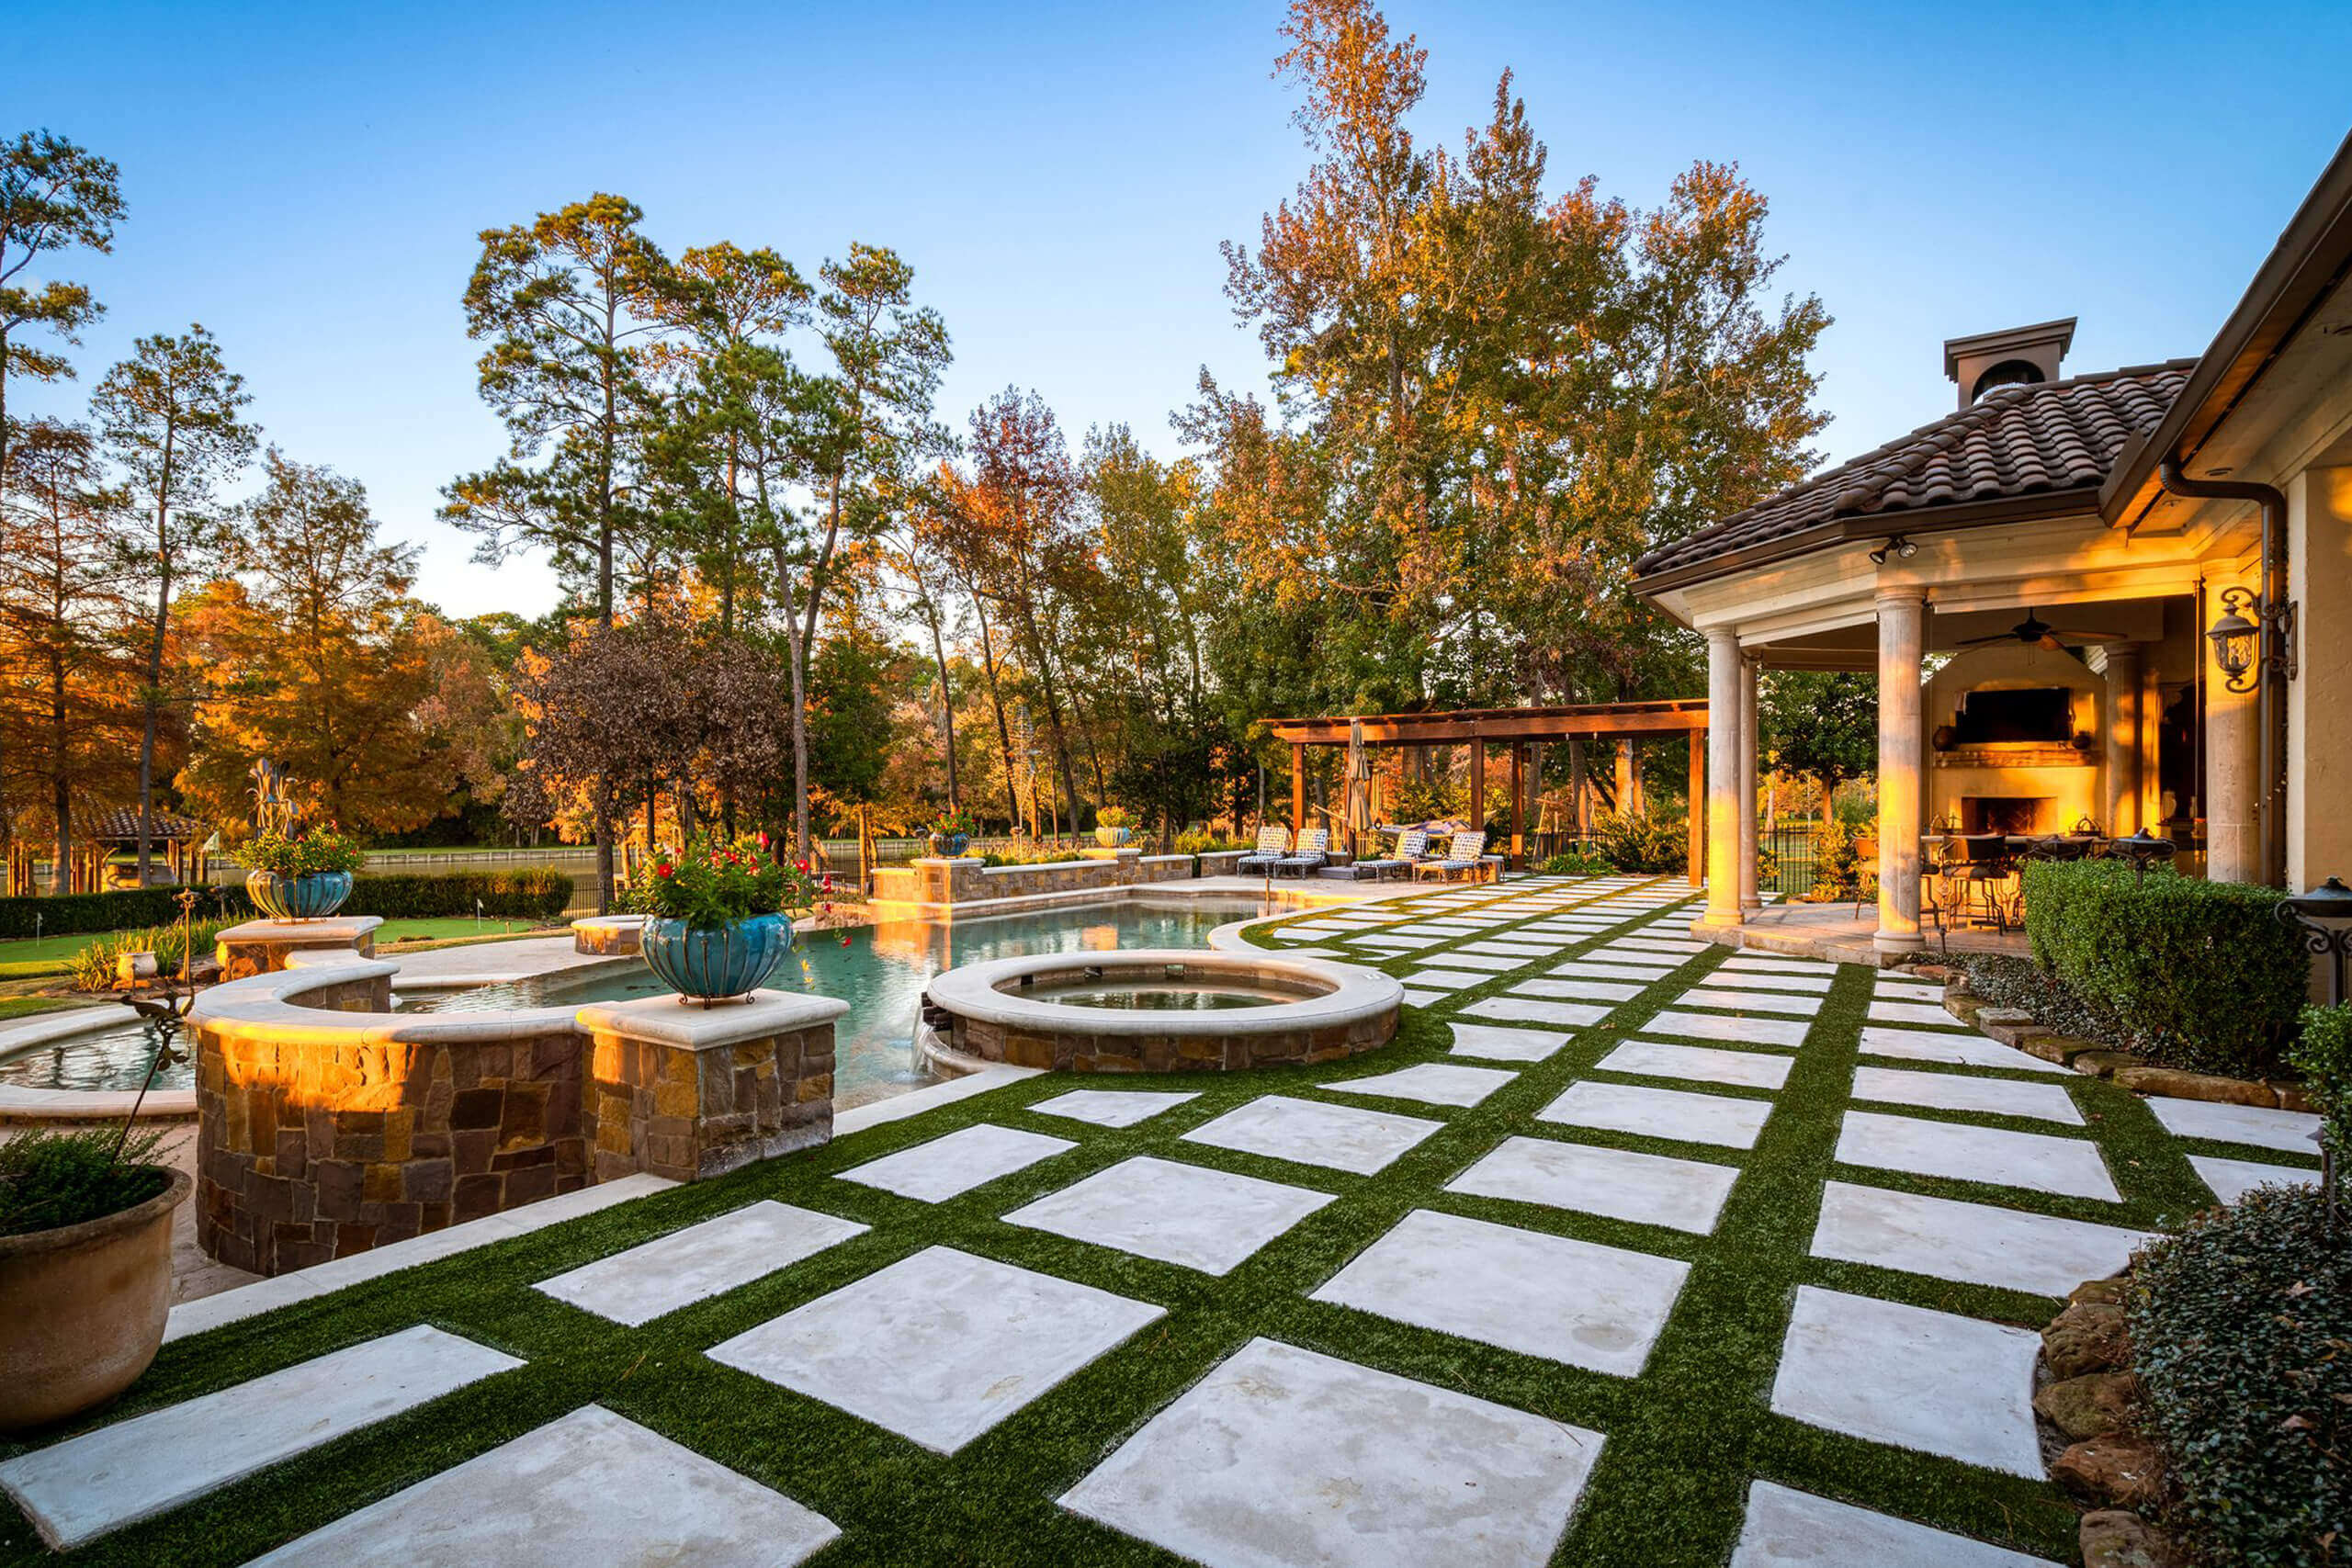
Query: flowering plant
(1114, 817)
(950, 823)
(712, 883)
(300, 851)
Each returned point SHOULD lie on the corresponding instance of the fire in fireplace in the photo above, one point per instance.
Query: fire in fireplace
(2005, 814)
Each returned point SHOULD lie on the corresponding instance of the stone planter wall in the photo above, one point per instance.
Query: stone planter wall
(1080, 1053)
(686, 1107)
(615, 936)
(262, 947)
(1220, 863)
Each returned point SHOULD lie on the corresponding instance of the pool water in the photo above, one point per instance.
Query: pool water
(1210, 997)
(879, 970)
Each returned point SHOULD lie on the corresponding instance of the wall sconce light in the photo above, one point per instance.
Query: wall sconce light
(1896, 544)
(2238, 639)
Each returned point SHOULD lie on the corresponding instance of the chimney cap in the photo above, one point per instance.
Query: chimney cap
(2008, 343)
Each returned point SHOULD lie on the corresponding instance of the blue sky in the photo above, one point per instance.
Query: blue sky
(308, 181)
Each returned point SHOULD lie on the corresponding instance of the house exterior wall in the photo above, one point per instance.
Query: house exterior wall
(2319, 701)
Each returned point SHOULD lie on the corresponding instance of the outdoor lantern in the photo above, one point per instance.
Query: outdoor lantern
(2234, 638)
(2143, 847)
(2323, 918)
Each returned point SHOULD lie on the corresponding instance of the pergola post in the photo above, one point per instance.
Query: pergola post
(1721, 774)
(1749, 892)
(1698, 812)
(1518, 802)
(1901, 639)
(1477, 784)
(1297, 787)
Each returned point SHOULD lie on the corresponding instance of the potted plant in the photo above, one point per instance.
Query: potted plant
(719, 915)
(951, 836)
(1112, 826)
(299, 875)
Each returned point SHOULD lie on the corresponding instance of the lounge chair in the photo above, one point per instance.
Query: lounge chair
(1314, 849)
(1461, 854)
(1273, 844)
(1412, 847)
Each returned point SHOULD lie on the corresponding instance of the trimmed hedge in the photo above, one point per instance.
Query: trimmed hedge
(2237, 1329)
(528, 894)
(2323, 1055)
(2198, 974)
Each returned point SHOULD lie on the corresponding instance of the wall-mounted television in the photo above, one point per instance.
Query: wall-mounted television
(2035, 714)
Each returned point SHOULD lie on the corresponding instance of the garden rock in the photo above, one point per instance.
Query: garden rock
(2121, 1469)
(2180, 1084)
(2103, 1292)
(2294, 1096)
(2114, 1538)
(2007, 1025)
(2088, 1336)
(2099, 1063)
(2092, 1406)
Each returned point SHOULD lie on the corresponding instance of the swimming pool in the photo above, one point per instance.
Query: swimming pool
(880, 971)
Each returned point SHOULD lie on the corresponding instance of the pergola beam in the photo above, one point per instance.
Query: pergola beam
(1461, 728)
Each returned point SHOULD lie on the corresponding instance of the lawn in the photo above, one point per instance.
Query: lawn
(1684, 1436)
(29, 958)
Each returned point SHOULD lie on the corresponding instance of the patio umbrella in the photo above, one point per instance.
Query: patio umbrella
(1359, 788)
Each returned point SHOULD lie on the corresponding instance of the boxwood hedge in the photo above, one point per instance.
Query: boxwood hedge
(528, 894)
(2239, 1330)
(2198, 974)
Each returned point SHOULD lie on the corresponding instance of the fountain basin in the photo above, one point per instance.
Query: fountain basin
(1157, 1010)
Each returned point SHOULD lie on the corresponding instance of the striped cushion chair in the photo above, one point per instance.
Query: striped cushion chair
(1412, 847)
(1461, 855)
(1314, 849)
(1273, 844)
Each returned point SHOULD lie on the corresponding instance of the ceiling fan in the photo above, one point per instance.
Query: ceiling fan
(2033, 631)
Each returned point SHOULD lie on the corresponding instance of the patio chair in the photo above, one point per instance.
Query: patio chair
(1314, 849)
(1986, 866)
(1461, 854)
(1273, 844)
(1412, 847)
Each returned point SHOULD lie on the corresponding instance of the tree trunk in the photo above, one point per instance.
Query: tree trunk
(946, 701)
(996, 701)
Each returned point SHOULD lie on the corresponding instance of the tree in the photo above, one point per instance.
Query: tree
(64, 599)
(54, 197)
(1821, 723)
(168, 416)
(313, 658)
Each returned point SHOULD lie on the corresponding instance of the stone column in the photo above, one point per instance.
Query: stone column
(2232, 761)
(1723, 666)
(2122, 715)
(1902, 636)
(1750, 742)
(2319, 722)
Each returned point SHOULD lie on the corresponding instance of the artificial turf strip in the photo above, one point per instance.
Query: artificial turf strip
(1683, 1440)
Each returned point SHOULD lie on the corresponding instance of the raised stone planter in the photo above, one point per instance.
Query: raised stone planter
(615, 936)
(2020, 1028)
(1221, 863)
(262, 947)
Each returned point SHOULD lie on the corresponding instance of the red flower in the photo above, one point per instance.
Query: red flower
(662, 870)
(763, 841)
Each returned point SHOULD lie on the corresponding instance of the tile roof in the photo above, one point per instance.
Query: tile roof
(2014, 441)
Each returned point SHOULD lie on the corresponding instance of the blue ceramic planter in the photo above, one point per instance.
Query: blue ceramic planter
(313, 895)
(716, 963)
(1113, 838)
(950, 846)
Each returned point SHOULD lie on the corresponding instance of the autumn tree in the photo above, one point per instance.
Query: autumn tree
(1821, 722)
(65, 596)
(170, 420)
(54, 197)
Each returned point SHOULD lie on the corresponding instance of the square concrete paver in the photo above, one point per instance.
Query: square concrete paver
(1187, 1215)
(1491, 1043)
(1520, 950)
(1283, 1457)
(1702, 1064)
(1111, 1107)
(1533, 1010)
(86, 1487)
(1486, 963)
(1591, 1178)
(591, 1476)
(969, 1157)
(1591, 969)
(1971, 1243)
(1925, 1015)
(2232, 1179)
(1724, 975)
(1954, 1091)
(702, 1260)
(1907, 991)
(2036, 1161)
(1445, 979)
(1659, 1113)
(1917, 1379)
(1577, 988)
(1953, 1048)
(1736, 1000)
(1343, 1137)
(1784, 1032)
(1425, 998)
(1796, 1529)
(1542, 1295)
(1772, 964)
(2289, 1132)
(1432, 1083)
(939, 1347)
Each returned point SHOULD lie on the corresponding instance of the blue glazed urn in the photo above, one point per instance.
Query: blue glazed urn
(950, 846)
(715, 963)
(312, 896)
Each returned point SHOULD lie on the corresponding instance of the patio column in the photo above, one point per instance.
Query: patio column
(1628, 786)
(1477, 783)
(1297, 787)
(1518, 801)
(1748, 746)
(2121, 714)
(2233, 763)
(1902, 637)
(1721, 779)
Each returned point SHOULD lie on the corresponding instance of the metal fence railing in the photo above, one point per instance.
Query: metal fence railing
(1791, 858)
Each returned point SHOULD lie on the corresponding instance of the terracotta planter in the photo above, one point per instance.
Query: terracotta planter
(81, 1309)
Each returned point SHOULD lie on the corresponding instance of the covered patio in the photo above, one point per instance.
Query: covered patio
(1522, 732)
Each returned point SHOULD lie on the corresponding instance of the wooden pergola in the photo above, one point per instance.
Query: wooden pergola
(1517, 728)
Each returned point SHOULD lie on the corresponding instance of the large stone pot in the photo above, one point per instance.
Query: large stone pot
(81, 1309)
(312, 896)
(720, 963)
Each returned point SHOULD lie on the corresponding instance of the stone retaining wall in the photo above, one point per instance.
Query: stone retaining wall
(677, 1110)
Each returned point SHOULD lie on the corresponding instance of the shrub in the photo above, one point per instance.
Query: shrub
(710, 884)
(2323, 1055)
(1838, 874)
(1194, 841)
(298, 853)
(2238, 1330)
(51, 1179)
(69, 914)
(1114, 817)
(1578, 864)
(1641, 843)
(94, 968)
(2200, 973)
(531, 893)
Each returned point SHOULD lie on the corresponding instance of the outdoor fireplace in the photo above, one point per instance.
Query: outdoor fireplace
(2006, 813)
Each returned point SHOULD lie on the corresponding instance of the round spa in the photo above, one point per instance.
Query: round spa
(1157, 1010)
